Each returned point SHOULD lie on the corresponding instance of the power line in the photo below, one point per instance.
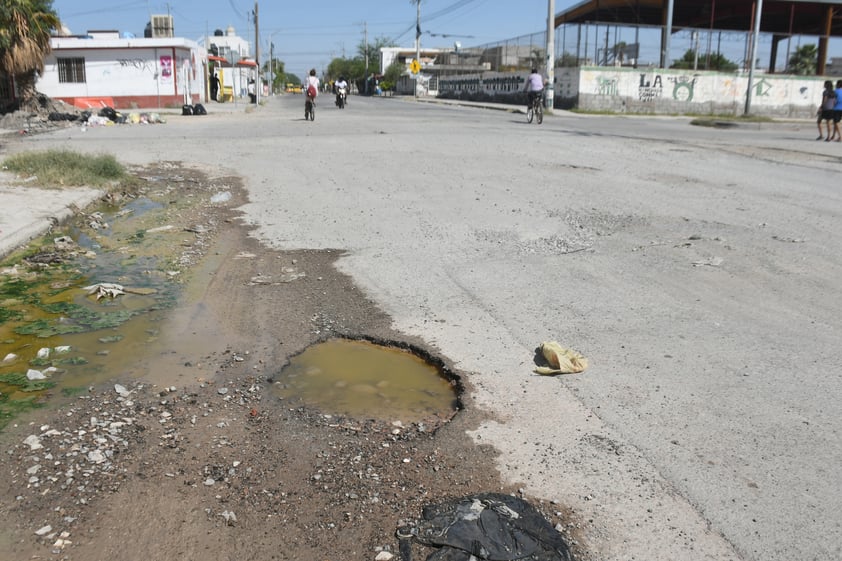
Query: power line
(122, 7)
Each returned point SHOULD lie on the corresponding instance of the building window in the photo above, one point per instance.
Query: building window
(71, 70)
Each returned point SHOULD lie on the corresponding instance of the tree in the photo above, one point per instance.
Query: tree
(803, 60)
(373, 49)
(567, 59)
(25, 30)
(352, 69)
(715, 62)
(392, 75)
(277, 72)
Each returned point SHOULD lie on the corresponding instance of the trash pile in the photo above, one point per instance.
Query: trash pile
(109, 116)
(55, 113)
(490, 526)
(47, 114)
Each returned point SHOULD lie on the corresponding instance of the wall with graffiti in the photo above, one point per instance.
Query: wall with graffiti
(652, 91)
(682, 92)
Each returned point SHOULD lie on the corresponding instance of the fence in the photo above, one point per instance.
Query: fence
(608, 44)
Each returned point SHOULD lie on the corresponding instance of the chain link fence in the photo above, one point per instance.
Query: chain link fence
(596, 44)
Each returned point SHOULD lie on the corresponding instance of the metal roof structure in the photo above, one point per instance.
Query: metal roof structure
(799, 17)
(782, 18)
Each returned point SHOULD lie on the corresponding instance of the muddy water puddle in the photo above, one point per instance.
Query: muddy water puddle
(86, 304)
(366, 380)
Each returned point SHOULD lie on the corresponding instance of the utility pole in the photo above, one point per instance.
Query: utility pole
(258, 82)
(667, 36)
(417, 42)
(753, 55)
(550, 97)
(365, 46)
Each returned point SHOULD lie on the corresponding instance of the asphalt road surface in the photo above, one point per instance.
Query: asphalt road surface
(696, 268)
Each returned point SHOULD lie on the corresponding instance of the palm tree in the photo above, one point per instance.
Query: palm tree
(25, 30)
(803, 61)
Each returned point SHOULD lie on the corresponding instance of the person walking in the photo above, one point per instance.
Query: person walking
(825, 112)
(837, 113)
(251, 91)
(214, 87)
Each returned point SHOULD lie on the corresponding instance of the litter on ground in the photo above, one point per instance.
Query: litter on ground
(491, 526)
(560, 360)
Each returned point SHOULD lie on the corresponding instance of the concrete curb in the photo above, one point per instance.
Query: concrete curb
(22, 221)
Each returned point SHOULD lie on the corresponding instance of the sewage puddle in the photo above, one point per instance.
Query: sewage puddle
(57, 337)
(365, 380)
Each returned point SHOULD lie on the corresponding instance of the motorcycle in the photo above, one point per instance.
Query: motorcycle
(341, 96)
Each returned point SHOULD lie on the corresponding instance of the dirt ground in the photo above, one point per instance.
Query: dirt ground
(198, 460)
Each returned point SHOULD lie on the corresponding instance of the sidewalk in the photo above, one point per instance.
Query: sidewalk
(27, 212)
(21, 220)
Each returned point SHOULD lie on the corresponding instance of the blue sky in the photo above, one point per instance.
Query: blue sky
(309, 34)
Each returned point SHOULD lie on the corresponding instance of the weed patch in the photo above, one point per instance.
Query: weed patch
(58, 168)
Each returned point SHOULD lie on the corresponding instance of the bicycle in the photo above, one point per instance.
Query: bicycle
(310, 109)
(536, 109)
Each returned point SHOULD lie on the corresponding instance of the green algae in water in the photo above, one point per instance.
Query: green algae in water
(71, 361)
(111, 339)
(16, 289)
(23, 384)
(73, 391)
(7, 314)
(43, 304)
(11, 408)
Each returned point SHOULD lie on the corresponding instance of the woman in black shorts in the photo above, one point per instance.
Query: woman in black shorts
(826, 110)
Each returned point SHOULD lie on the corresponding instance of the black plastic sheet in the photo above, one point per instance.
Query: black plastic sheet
(485, 526)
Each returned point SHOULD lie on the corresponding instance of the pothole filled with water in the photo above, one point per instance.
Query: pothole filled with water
(366, 379)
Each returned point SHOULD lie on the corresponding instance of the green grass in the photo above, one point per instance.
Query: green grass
(58, 168)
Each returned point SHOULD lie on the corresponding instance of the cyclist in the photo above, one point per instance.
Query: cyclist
(534, 87)
(311, 90)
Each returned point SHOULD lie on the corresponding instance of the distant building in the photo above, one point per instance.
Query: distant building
(227, 45)
(434, 64)
(230, 57)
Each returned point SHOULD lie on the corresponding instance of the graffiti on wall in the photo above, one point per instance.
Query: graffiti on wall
(762, 88)
(649, 91)
(503, 83)
(607, 85)
(137, 63)
(682, 88)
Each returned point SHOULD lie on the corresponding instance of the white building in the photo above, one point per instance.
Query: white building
(102, 68)
(231, 59)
